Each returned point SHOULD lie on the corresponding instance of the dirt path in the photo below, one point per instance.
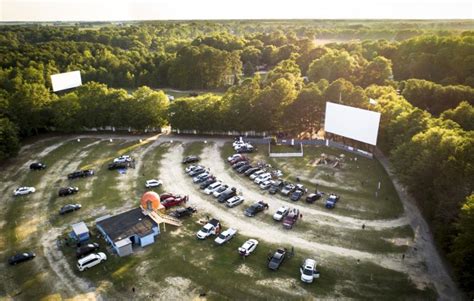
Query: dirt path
(250, 192)
(424, 241)
(175, 180)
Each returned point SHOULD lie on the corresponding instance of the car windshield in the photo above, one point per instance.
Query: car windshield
(205, 230)
(308, 272)
(222, 236)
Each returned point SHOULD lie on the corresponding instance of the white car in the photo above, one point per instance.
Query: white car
(191, 168)
(213, 187)
(308, 271)
(235, 156)
(281, 213)
(266, 184)
(225, 236)
(262, 178)
(153, 183)
(234, 201)
(248, 247)
(257, 174)
(90, 261)
(123, 159)
(219, 190)
(200, 177)
(24, 190)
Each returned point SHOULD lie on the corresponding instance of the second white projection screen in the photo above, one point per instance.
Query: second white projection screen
(354, 123)
(68, 80)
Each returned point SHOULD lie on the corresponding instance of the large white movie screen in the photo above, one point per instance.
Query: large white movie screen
(68, 80)
(358, 124)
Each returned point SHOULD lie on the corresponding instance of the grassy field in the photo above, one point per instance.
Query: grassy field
(177, 264)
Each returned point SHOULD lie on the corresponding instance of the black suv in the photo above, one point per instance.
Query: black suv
(118, 165)
(69, 208)
(256, 208)
(86, 249)
(190, 159)
(296, 195)
(227, 195)
(20, 257)
(183, 212)
(80, 174)
(64, 191)
(313, 197)
(37, 166)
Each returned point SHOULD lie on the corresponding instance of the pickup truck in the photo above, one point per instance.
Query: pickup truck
(213, 227)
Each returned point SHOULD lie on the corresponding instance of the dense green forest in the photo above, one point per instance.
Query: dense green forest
(275, 76)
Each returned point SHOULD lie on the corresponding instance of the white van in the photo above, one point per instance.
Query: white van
(90, 261)
(234, 201)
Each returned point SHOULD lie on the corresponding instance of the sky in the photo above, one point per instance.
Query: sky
(120, 10)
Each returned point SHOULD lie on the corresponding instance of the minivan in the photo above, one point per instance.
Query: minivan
(90, 261)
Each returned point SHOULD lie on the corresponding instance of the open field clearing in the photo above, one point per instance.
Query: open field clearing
(378, 262)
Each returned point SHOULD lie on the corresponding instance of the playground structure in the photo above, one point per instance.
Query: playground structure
(151, 206)
(329, 160)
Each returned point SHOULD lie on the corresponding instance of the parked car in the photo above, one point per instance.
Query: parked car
(225, 236)
(234, 201)
(201, 177)
(277, 259)
(190, 159)
(250, 171)
(246, 148)
(183, 212)
(235, 156)
(308, 270)
(118, 165)
(69, 208)
(174, 201)
(213, 187)
(331, 201)
(256, 208)
(290, 220)
(238, 159)
(153, 183)
(65, 191)
(90, 261)
(281, 213)
(244, 168)
(266, 184)
(275, 187)
(197, 171)
(256, 174)
(123, 159)
(262, 178)
(37, 166)
(313, 197)
(190, 168)
(230, 192)
(86, 249)
(21, 257)
(296, 195)
(248, 247)
(81, 174)
(211, 228)
(220, 190)
(239, 164)
(287, 189)
(207, 182)
(23, 191)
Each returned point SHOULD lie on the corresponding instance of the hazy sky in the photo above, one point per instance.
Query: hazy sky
(109, 10)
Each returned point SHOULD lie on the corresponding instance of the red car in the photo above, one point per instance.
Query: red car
(174, 201)
(238, 159)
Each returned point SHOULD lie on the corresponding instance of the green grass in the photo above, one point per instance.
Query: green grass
(212, 269)
(193, 148)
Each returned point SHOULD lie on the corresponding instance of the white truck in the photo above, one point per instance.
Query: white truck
(213, 227)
